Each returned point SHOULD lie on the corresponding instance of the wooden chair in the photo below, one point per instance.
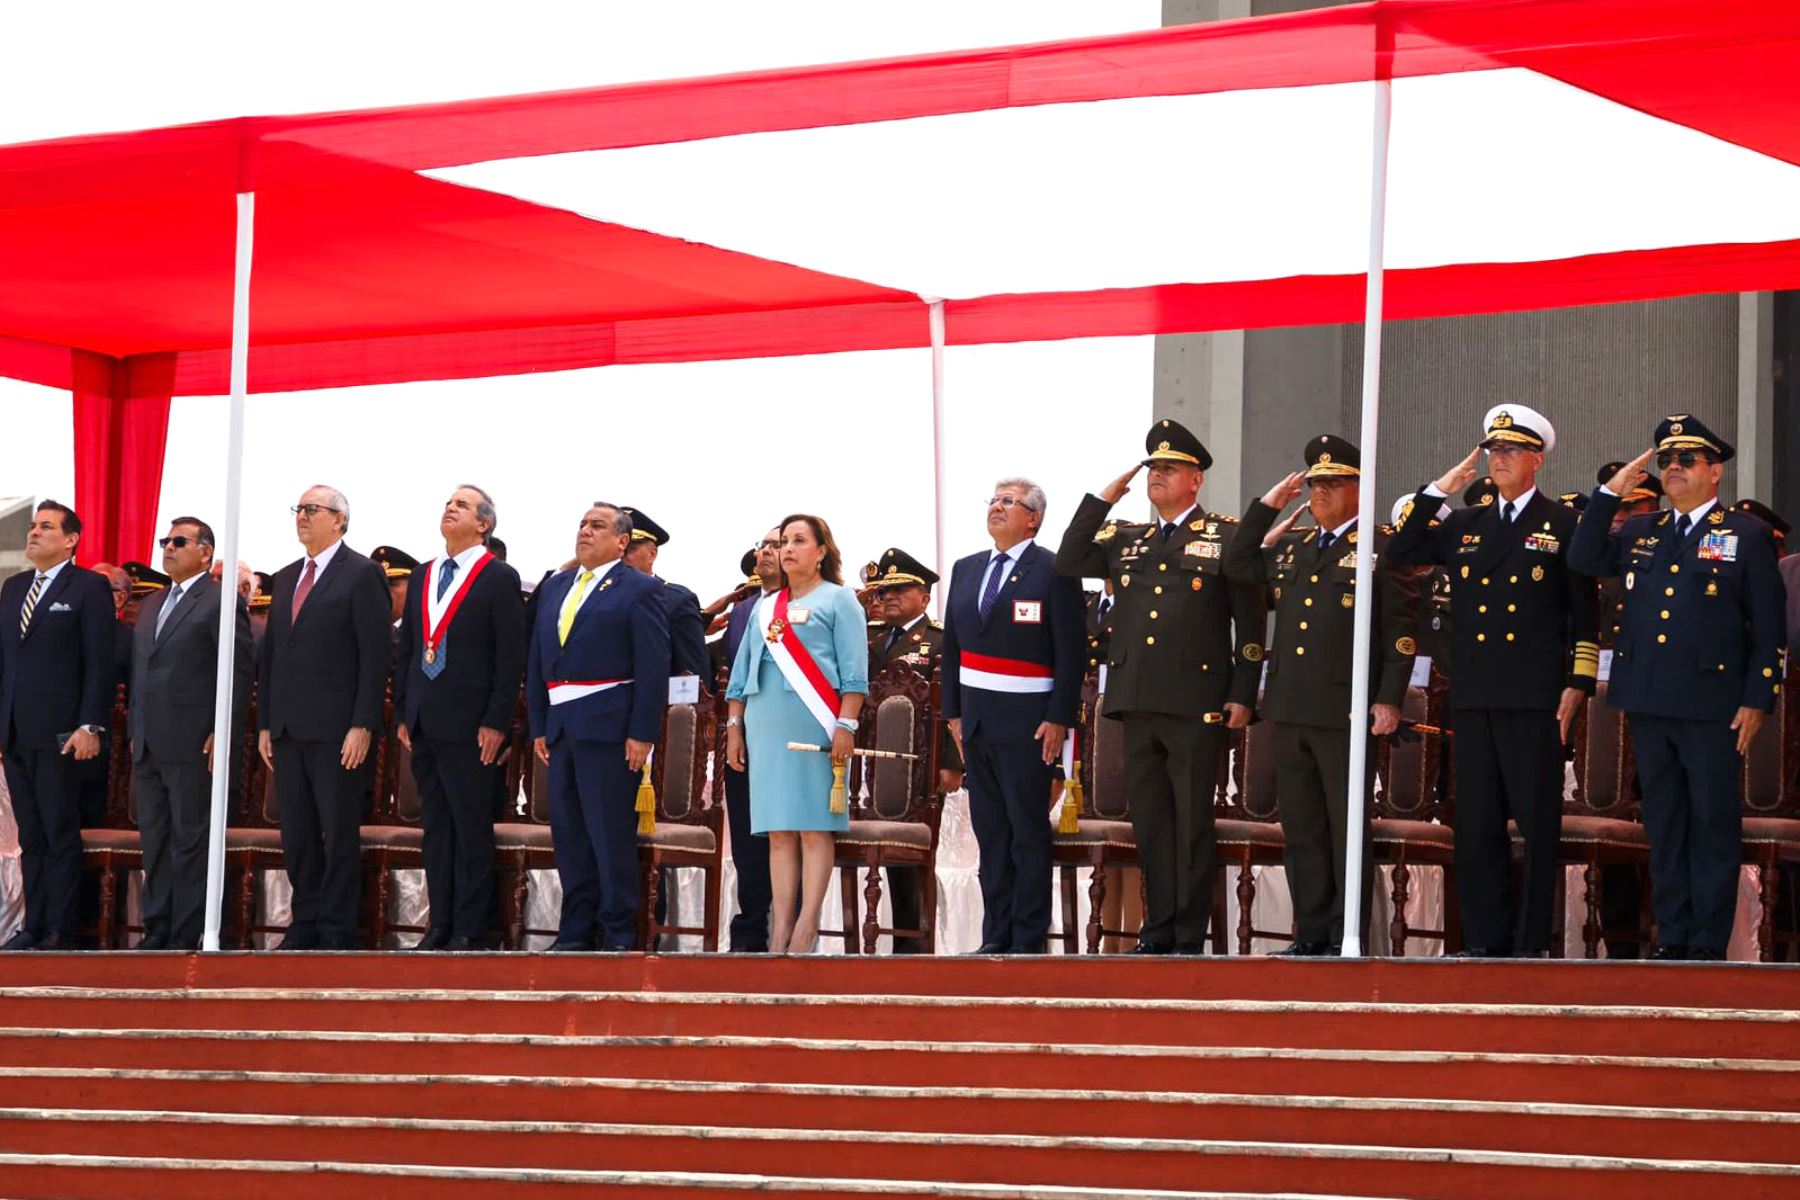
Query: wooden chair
(688, 773)
(1600, 823)
(393, 839)
(1772, 811)
(1104, 837)
(253, 838)
(522, 846)
(1248, 830)
(1411, 814)
(895, 806)
(115, 849)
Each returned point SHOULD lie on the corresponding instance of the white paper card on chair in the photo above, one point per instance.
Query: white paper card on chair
(684, 689)
(1421, 676)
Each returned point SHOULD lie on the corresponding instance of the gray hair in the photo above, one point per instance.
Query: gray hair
(621, 522)
(336, 500)
(1034, 495)
(484, 508)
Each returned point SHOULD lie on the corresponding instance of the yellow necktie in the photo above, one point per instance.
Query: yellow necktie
(571, 606)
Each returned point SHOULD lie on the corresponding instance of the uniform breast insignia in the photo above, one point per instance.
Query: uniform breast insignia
(1537, 574)
(1406, 645)
(1543, 543)
(1252, 652)
(1197, 587)
(1465, 571)
(1715, 517)
(1124, 581)
(1718, 547)
(1106, 534)
(1349, 560)
(1712, 587)
(1347, 600)
(918, 637)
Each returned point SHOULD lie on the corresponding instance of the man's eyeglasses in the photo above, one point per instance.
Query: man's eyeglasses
(179, 541)
(313, 510)
(1010, 502)
(1687, 458)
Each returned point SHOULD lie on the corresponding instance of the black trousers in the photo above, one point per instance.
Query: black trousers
(174, 802)
(1689, 772)
(1009, 809)
(1171, 773)
(321, 838)
(45, 788)
(750, 860)
(593, 826)
(1312, 770)
(1508, 765)
(456, 808)
(904, 890)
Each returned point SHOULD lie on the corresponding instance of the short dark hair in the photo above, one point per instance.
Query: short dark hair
(206, 531)
(70, 522)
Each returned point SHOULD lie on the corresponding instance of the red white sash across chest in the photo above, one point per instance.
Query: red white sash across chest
(796, 661)
(433, 635)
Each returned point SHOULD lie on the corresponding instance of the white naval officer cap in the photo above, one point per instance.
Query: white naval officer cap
(1519, 425)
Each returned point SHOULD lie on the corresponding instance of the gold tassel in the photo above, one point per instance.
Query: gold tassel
(1071, 808)
(838, 802)
(646, 803)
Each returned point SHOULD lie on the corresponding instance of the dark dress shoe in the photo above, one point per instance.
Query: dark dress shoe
(1300, 949)
(463, 944)
(1670, 953)
(571, 945)
(1041, 946)
(1705, 954)
(298, 939)
(22, 940)
(154, 940)
(1190, 949)
(1151, 948)
(435, 938)
(1483, 952)
(56, 941)
(993, 948)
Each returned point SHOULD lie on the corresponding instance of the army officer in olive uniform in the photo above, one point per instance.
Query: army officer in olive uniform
(904, 634)
(1697, 667)
(1307, 695)
(1523, 661)
(1182, 666)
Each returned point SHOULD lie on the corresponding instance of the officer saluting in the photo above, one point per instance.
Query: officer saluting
(1697, 665)
(1523, 658)
(1307, 696)
(1182, 666)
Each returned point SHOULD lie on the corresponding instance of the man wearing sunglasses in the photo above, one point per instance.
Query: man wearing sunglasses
(175, 656)
(1697, 666)
(1523, 662)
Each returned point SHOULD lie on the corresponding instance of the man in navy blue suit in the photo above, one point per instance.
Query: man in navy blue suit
(56, 689)
(597, 683)
(749, 853)
(1011, 680)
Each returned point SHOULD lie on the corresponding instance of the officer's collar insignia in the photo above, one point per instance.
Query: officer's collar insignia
(1196, 525)
(1715, 517)
(1351, 537)
(1488, 497)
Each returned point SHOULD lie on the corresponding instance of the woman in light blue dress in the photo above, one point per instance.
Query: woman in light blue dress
(790, 790)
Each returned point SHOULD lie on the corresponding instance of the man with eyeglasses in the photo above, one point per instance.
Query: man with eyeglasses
(322, 676)
(56, 695)
(175, 657)
(1523, 662)
(1697, 667)
(1011, 685)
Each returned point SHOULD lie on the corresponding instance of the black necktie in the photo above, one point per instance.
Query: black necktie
(1325, 540)
(1506, 514)
(895, 633)
(1682, 525)
(1168, 530)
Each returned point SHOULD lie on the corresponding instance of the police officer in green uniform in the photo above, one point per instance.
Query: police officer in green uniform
(1523, 662)
(905, 634)
(1307, 693)
(1697, 667)
(1182, 668)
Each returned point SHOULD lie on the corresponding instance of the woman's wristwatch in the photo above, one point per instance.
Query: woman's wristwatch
(847, 724)
(733, 722)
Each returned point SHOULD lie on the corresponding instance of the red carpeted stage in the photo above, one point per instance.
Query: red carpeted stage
(355, 1075)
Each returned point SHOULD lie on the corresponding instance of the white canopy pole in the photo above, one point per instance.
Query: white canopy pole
(225, 748)
(942, 565)
(1367, 513)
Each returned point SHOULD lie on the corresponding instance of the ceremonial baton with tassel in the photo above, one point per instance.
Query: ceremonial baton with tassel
(809, 748)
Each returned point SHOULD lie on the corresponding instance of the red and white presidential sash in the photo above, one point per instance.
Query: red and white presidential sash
(434, 636)
(796, 662)
(994, 674)
(564, 690)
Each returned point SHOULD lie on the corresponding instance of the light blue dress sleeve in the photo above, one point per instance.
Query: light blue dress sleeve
(743, 677)
(850, 642)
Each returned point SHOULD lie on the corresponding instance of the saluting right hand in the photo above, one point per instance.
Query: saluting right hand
(1631, 474)
(1283, 493)
(1115, 491)
(1453, 481)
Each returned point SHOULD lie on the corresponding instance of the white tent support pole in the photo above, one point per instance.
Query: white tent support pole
(942, 565)
(224, 747)
(1368, 441)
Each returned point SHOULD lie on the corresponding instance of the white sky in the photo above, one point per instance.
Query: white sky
(693, 445)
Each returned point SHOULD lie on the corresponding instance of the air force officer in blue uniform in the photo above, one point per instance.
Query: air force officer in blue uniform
(1697, 665)
(597, 682)
(1014, 652)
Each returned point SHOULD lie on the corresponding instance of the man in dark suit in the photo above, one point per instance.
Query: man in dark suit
(56, 693)
(749, 853)
(175, 668)
(1307, 695)
(1524, 660)
(456, 677)
(687, 627)
(1182, 668)
(596, 687)
(1011, 684)
(1697, 667)
(321, 681)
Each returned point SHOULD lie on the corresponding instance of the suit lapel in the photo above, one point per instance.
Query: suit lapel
(333, 571)
(55, 588)
(191, 601)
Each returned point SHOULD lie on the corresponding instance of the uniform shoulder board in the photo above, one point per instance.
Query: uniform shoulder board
(1222, 518)
(935, 623)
